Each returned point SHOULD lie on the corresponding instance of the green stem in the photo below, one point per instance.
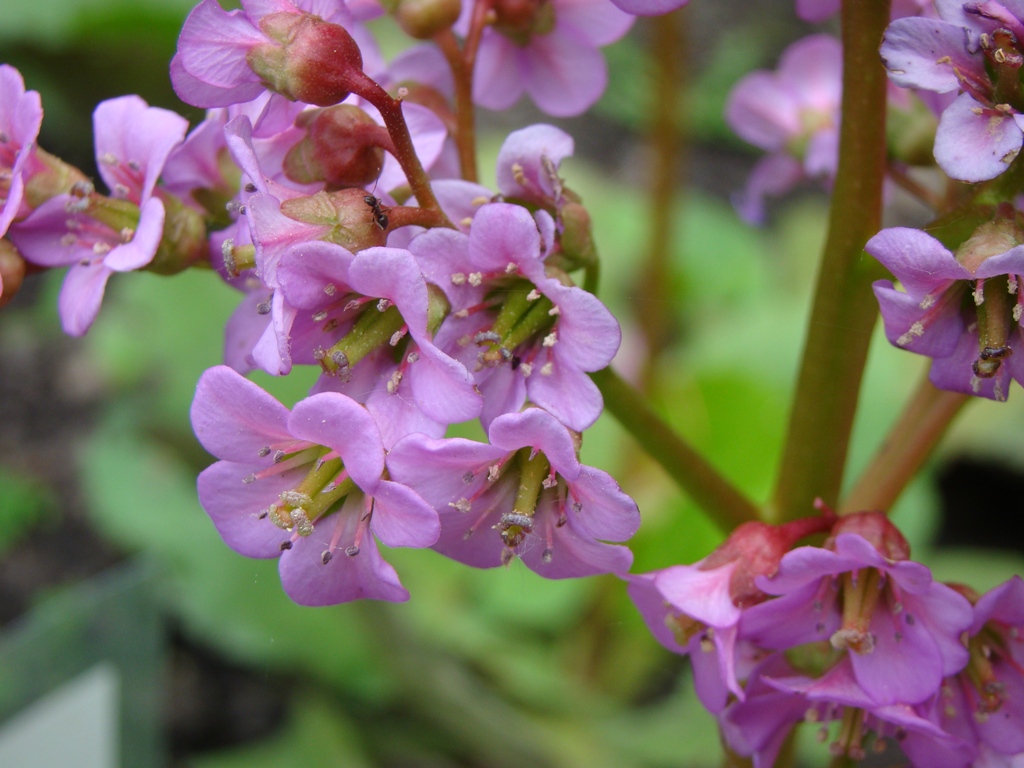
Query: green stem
(910, 441)
(845, 310)
(723, 502)
(657, 318)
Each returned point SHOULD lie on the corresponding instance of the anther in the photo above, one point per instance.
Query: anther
(383, 305)
(546, 556)
(264, 451)
(263, 308)
(249, 479)
(279, 456)
(286, 544)
(326, 556)
(352, 551)
(250, 187)
(319, 317)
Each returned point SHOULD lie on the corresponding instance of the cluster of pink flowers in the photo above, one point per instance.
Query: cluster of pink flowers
(324, 185)
(852, 637)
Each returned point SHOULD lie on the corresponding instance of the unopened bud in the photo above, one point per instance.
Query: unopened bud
(423, 19)
(184, 238)
(316, 62)
(990, 239)
(342, 148)
(12, 271)
(878, 530)
(351, 220)
(577, 234)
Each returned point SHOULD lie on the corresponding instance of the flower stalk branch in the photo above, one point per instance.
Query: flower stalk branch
(929, 411)
(844, 309)
(723, 502)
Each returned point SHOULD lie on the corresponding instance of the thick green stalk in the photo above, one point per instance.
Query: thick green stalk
(722, 501)
(910, 441)
(844, 311)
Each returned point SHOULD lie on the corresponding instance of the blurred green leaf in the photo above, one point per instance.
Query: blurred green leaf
(144, 498)
(24, 503)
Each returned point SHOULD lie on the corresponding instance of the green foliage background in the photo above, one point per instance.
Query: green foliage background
(481, 668)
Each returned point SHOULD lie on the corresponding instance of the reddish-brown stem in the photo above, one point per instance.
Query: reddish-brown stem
(405, 215)
(910, 441)
(465, 112)
(900, 177)
(405, 152)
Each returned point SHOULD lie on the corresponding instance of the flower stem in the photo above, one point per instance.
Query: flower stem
(405, 152)
(465, 113)
(924, 420)
(723, 502)
(844, 311)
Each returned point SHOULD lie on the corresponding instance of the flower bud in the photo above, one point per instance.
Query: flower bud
(422, 19)
(521, 20)
(12, 271)
(877, 529)
(184, 239)
(577, 234)
(342, 148)
(350, 218)
(316, 62)
(990, 239)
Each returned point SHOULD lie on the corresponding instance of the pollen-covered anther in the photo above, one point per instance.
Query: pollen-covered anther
(853, 639)
(485, 337)
(546, 556)
(533, 295)
(330, 289)
(394, 381)
(121, 190)
(466, 222)
(979, 292)
(353, 304)
(126, 234)
(476, 279)
(915, 331)
(927, 301)
(319, 353)
(549, 482)
(397, 336)
(352, 551)
(300, 519)
(249, 479)
(577, 507)
(76, 205)
(107, 158)
(458, 278)
(493, 472)
(101, 249)
(547, 369)
(319, 317)
(511, 268)
(554, 312)
(550, 340)
(68, 240)
(526, 369)
(518, 173)
(462, 505)
(412, 357)
(296, 498)
(383, 305)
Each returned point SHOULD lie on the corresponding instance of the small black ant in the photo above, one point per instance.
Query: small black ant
(379, 216)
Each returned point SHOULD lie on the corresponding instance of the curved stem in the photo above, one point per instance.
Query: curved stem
(723, 502)
(926, 196)
(844, 311)
(405, 152)
(910, 441)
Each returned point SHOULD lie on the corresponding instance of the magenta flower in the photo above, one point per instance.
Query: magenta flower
(898, 630)
(99, 236)
(378, 299)
(548, 50)
(525, 494)
(962, 310)
(21, 115)
(778, 697)
(528, 164)
(299, 49)
(975, 48)
(306, 486)
(793, 113)
(696, 609)
(495, 279)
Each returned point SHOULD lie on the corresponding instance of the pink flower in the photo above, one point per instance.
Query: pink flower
(898, 630)
(793, 113)
(547, 49)
(493, 279)
(525, 494)
(99, 236)
(962, 310)
(306, 486)
(21, 115)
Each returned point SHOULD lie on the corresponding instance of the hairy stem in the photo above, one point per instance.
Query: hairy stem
(910, 441)
(723, 502)
(844, 310)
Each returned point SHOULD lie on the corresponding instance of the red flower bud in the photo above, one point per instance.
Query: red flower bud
(342, 147)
